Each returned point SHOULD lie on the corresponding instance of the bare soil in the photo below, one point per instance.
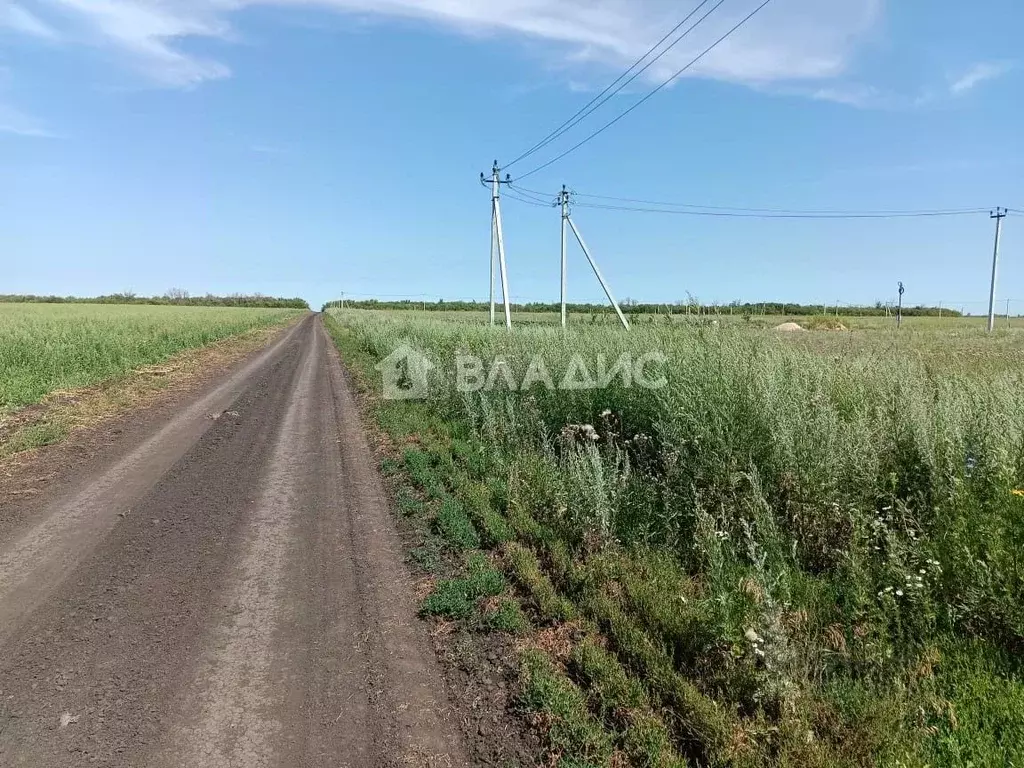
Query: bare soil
(220, 585)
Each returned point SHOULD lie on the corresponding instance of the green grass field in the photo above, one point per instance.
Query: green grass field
(855, 323)
(803, 550)
(48, 347)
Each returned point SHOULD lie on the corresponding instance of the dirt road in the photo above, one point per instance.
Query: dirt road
(221, 591)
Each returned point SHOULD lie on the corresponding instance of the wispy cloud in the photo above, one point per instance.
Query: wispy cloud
(795, 40)
(145, 32)
(978, 74)
(16, 18)
(14, 121)
(861, 96)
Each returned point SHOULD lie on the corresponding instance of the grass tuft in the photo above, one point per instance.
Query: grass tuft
(508, 617)
(560, 709)
(454, 525)
(457, 598)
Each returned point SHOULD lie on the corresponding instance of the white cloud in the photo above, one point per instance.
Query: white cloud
(792, 40)
(865, 96)
(862, 96)
(16, 18)
(146, 31)
(977, 74)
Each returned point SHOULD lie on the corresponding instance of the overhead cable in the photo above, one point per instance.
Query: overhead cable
(611, 90)
(663, 85)
(699, 208)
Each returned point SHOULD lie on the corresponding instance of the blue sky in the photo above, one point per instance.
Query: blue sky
(309, 147)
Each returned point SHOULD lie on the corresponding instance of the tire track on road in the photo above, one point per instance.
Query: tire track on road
(35, 562)
(233, 692)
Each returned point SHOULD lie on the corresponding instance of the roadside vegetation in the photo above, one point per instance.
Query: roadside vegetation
(46, 347)
(580, 315)
(803, 550)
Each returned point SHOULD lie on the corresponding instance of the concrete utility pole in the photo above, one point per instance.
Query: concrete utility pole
(998, 215)
(494, 254)
(899, 311)
(563, 199)
(498, 241)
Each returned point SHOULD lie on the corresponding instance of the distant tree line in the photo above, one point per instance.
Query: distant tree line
(175, 296)
(678, 308)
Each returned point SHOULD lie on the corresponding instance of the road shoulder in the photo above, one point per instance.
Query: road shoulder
(480, 669)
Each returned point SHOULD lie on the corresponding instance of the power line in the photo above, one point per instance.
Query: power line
(737, 209)
(608, 125)
(538, 197)
(597, 102)
(684, 209)
(526, 200)
(702, 208)
(783, 215)
(530, 197)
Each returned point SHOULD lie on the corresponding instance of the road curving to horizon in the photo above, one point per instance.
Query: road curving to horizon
(223, 587)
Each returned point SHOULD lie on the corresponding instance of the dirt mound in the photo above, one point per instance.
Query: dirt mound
(789, 327)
